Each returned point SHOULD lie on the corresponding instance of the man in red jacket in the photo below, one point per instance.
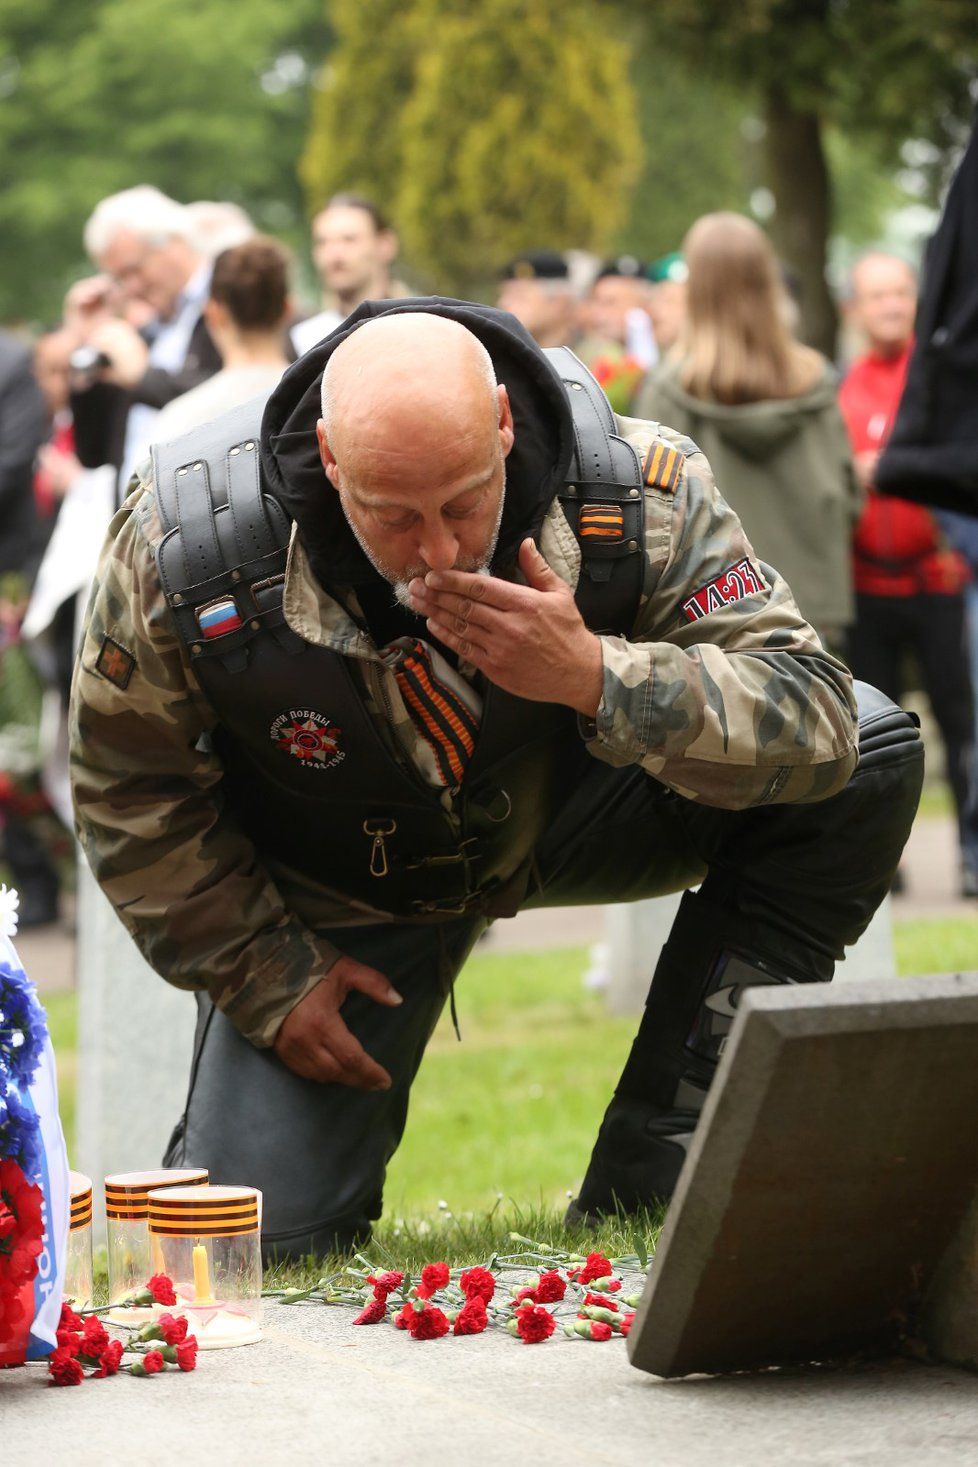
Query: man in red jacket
(909, 581)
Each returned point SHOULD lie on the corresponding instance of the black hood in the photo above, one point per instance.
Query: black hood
(535, 468)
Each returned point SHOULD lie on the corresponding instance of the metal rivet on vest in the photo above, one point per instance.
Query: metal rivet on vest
(235, 575)
(178, 599)
(255, 625)
(196, 649)
(181, 471)
(633, 544)
(633, 493)
(198, 467)
(249, 447)
(235, 450)
(577, 386)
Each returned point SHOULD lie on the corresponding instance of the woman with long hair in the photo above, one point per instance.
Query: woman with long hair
(763, 409)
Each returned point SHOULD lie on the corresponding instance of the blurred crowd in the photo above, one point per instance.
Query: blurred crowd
(191, 311)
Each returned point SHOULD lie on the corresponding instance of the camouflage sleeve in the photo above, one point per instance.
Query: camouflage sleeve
(723, 692)
(182, 876)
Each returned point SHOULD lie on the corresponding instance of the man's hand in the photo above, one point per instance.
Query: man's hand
(530, 640)
(126, 350)
(88, 305)
(315, 1043)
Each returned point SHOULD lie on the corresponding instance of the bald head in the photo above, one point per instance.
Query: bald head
(414, 374)
(414, 437)
(883, 301)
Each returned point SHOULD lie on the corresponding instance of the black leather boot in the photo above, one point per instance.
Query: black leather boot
(650, 1122)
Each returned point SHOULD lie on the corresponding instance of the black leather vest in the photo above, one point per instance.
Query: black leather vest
(308, 773)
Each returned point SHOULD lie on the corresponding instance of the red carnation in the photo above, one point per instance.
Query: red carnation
(64, 1369)
(374, 1311)
(472, 1318)
(606, 1285)
(525, 1296)
(172, 1328)
(162, 1290)
(385, 1283)
(68, 1341)
(551, 1288)
(94, 1338)
(478, 1283)
(403, 1319)
(187, 1353)
(429, 1324)
(596, 1266)
(152, 1362)
(110, 1360)
(534, 1325)
(435, 1276)
(69, 1319)
(599, 1301)
(625, 1324)
(7, 1221)
(600, 1330)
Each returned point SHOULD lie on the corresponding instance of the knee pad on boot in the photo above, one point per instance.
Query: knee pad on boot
(888, 734)
(713, 954)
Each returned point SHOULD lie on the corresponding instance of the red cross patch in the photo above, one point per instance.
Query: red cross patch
(734, 584)
(115, 663)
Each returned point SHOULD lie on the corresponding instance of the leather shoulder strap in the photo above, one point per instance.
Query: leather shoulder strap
(222, 557)
(603, 501)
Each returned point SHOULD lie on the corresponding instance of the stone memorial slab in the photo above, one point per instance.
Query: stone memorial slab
(829, 1182)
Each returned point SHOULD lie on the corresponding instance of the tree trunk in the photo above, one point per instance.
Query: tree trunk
(799, 179)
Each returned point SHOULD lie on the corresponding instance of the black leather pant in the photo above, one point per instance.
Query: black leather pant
(796, 883)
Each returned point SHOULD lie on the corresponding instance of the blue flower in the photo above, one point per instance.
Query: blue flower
(20, 1135)
(23, 1026)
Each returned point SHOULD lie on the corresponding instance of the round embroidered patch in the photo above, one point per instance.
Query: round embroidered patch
(309, 737)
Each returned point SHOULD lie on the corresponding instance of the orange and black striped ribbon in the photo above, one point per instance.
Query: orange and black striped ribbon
(601, 522)
(81, 1210)
(220, 1217)
(439, 714)
(129, 1203)
(663, 467)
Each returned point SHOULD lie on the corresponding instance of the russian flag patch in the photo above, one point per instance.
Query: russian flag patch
(218, 618)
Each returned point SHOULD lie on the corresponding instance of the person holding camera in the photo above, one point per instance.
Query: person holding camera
(142, 336)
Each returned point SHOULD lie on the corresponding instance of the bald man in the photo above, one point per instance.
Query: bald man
(435, 639)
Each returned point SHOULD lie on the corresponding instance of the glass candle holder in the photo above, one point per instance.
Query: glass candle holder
(133, 1258)
(78, 1259)
(210, 1239)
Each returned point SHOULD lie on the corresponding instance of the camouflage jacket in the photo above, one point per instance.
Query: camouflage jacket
(722, 692)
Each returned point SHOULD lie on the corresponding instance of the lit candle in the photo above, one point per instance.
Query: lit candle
(202, 1277)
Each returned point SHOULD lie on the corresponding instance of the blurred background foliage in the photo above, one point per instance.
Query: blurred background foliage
(485, 128)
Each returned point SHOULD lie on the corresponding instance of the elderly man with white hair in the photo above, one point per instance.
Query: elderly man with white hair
(142, 337)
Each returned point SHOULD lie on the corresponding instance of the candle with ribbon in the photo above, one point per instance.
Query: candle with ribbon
(210, 1240)
(133, 1255)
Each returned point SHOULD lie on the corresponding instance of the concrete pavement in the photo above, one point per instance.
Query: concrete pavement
(317, 1389)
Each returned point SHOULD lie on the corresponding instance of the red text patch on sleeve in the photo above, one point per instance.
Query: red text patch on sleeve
(736, 582)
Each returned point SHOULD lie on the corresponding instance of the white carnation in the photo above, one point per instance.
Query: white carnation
(9, 902)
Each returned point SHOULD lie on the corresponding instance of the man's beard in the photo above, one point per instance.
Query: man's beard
(399, 582)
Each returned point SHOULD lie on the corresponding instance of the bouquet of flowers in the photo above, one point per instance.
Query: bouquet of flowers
(34, 1189)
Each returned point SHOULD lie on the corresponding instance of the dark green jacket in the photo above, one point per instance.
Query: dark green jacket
(785, 468)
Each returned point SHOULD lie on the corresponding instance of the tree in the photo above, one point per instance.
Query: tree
(884, 70)
(485, 130)
(204, 101)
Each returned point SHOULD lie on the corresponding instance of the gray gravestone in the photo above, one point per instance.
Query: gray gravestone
(827, 1189)
(135, 1041)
